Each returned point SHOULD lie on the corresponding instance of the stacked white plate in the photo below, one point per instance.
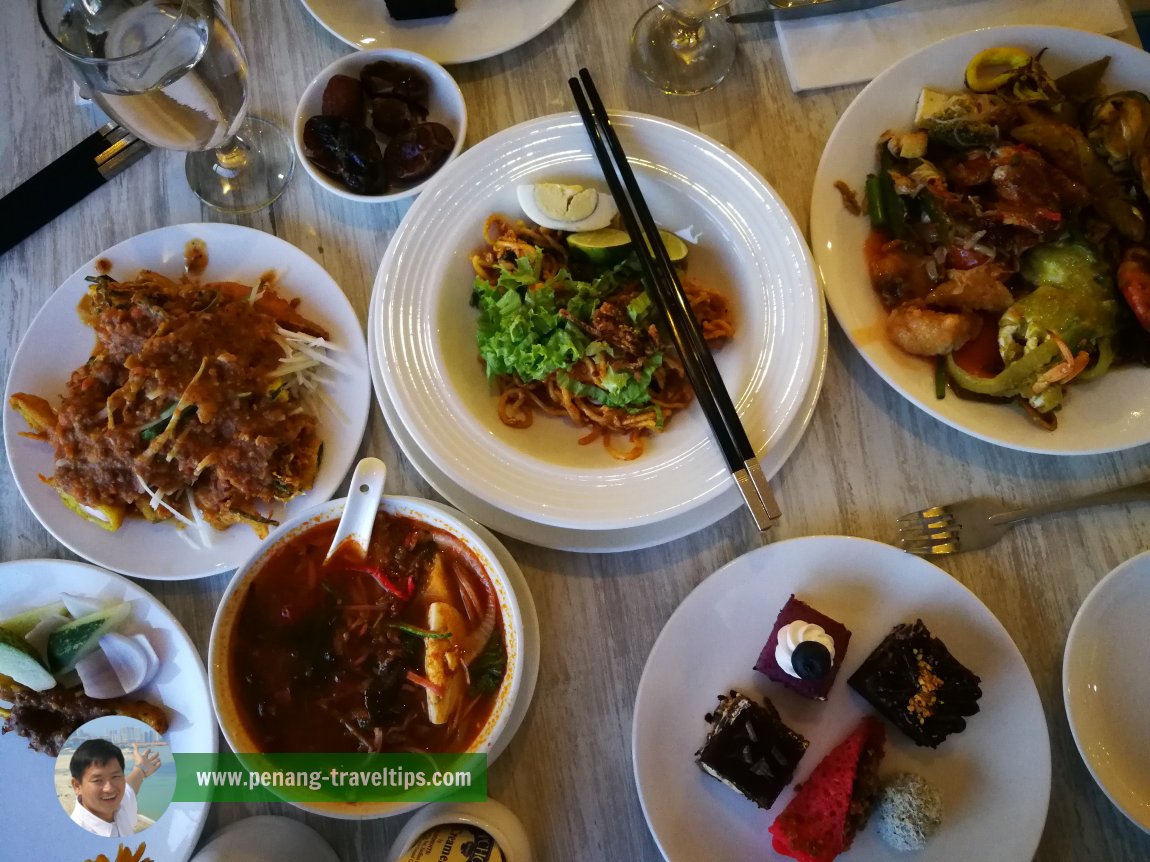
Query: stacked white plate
(538, 484)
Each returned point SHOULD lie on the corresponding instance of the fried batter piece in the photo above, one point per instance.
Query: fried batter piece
(925, 331)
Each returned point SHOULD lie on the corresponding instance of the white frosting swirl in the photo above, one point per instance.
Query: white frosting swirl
(795, 633)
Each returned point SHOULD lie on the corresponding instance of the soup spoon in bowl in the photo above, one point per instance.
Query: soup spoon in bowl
(358, 518)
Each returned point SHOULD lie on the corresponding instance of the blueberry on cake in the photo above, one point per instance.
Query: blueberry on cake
(805, 650)
(914, 681)
(749, 749)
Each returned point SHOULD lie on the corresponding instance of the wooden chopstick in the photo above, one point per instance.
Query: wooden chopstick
(671, 301)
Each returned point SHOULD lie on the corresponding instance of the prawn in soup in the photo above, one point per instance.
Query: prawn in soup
(399, 650)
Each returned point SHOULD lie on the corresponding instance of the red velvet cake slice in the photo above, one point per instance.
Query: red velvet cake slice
(821, 820)
(805, 650)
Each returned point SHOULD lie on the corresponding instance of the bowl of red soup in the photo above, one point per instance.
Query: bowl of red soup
(414, 647)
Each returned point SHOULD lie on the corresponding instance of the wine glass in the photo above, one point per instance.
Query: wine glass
(173, 73)
(684, 46)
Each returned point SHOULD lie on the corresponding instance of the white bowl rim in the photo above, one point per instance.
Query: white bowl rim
(410, 507)
(358, 59)
(1073, 642)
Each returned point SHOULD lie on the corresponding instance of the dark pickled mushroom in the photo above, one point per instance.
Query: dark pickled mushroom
(417, 152)
(321, 142)
(391, 116)
(362, 166)
(347, 151)
(343, 97)
(384, 78)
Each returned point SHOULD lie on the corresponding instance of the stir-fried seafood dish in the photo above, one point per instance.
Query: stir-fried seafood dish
(1008, 230)
(571, 335)
(197, 404)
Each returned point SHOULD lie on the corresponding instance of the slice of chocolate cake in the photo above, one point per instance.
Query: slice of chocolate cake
(914, 681)
(748, 748)
(805, 650)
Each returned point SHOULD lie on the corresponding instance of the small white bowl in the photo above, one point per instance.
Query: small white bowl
(445, 106)
(266, 837)
(1107, 688)
(220, 680)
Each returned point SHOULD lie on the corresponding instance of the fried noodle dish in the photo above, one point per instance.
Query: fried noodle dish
(198, 404)
(572, 338)
(1009, 231)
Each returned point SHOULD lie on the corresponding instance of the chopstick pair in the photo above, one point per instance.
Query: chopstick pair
(670, 299)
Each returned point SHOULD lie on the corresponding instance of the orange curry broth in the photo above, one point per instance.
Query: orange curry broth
(312, 655)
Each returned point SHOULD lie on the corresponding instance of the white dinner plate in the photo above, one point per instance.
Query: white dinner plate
(994, 777)
(1105, 415)
(32, 821)
(747, 245)
(562, 538)
(479, 29)
(1107, 689)
(57, 343)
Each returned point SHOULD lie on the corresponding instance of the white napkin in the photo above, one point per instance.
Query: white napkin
(856, 46)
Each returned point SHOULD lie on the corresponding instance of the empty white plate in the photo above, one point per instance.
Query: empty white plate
(1107, 688)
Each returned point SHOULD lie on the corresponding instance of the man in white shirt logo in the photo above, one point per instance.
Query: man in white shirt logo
(105, 796)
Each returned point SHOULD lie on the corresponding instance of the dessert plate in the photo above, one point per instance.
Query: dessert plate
(746, 243)
(57, 342)
(34, 824)
(1108, 414)
(994, 777)
(480, 29)
(562, 538)
(1107, 689)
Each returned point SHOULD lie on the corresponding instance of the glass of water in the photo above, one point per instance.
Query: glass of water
(684, 46)
(174, 73)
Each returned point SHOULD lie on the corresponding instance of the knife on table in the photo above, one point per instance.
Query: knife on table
(66, 181)
(793, 10)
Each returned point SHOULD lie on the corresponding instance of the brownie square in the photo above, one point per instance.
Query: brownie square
(815, 678)
(914, 681)
(749, 749)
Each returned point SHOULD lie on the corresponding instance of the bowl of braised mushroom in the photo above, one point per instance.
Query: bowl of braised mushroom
(376, 125)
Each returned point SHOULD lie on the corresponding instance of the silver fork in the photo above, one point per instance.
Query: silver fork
(973, 524)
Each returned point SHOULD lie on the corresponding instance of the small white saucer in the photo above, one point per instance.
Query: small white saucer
(266, 838)
(1107, 689)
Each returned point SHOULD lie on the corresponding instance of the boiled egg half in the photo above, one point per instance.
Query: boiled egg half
(564, 207)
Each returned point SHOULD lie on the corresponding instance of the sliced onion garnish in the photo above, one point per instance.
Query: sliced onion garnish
(37, 638)
(121, 666)
(80, 606)
(98, 677)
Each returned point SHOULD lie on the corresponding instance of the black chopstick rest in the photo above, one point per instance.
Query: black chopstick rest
(66, 181)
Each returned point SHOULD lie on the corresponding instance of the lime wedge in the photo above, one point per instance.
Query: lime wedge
(604, 246)
(676, 248)
(609, 245)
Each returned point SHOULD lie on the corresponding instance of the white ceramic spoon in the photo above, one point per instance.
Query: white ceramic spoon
(362, 505)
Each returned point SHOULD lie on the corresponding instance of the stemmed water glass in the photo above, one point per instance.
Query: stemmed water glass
(684, 46)
(173, 73)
